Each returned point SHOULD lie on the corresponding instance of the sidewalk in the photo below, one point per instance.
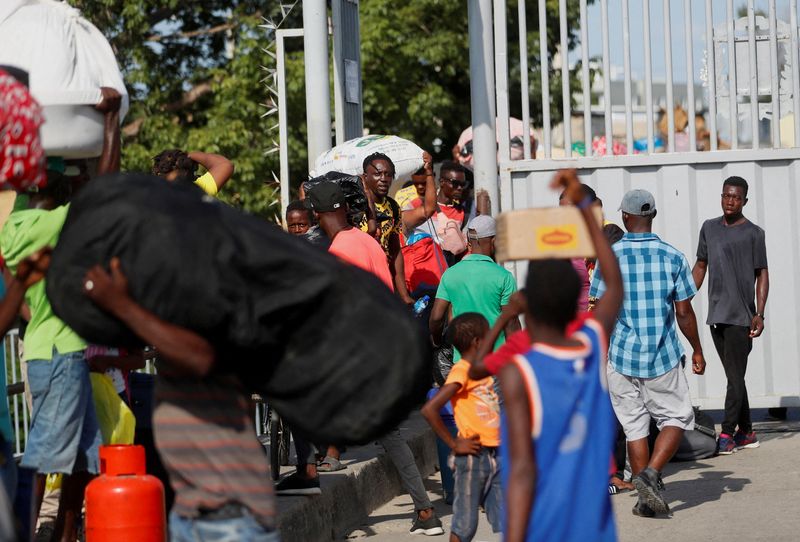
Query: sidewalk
(751, 495)
(349, 496)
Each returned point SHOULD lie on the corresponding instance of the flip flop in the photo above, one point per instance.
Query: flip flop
(330, 464)
(614, 490)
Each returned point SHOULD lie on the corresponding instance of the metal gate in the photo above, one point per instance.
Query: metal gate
(745, 85)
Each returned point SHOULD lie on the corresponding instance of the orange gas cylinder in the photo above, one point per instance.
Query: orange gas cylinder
(124, 504)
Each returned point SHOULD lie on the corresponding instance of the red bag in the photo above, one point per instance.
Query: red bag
(424, 263)
(22, 160)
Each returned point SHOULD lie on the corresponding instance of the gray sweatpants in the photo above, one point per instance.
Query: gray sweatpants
(400, 454)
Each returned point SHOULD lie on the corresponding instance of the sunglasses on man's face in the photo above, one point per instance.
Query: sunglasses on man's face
(455, 183)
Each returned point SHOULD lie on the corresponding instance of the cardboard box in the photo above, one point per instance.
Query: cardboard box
(548, 232)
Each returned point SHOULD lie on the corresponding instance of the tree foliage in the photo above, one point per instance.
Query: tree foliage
(195, 74)
(193, 70)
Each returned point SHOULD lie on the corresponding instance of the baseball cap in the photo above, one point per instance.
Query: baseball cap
(638, 202)
(325, 197)
(484, 226)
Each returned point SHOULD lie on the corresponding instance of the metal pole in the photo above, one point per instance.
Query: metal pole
(283, 128)
(482, 98)
(586, 84)
(732, 87)
(753, 72)
(687, 22)
(545, 69)
(606, 78)
(338, 72)
(318, 93)
(626, 51)
(648, 76)
(18, 432)
(795, 71)
(712, 76)
(566, 95)
(775, 83)
(668, 64)
(501, 80)
(523, 77)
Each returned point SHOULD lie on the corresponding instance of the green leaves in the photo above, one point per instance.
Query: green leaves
(194, 72)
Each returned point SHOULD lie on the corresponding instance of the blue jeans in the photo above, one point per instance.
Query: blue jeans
(477, 482)
(443, 451)
(239, 529)
(64, 435)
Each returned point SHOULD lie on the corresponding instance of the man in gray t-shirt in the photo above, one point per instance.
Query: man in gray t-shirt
(733, 251)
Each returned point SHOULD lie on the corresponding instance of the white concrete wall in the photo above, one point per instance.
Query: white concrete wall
(686, 195)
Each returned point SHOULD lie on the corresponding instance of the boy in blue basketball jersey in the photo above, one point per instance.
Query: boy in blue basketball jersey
(559, 426)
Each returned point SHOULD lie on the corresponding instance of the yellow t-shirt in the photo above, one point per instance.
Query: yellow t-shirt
(389, 222)
(405, 196)
(475, 406)
(207, 183)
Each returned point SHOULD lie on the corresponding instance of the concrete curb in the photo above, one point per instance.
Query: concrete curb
(350, 495)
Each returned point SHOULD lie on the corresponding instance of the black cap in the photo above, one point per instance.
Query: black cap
(325, 197)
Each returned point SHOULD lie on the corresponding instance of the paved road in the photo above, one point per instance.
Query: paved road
(751, 495)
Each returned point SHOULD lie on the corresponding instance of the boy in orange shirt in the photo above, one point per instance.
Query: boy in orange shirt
(477, 412)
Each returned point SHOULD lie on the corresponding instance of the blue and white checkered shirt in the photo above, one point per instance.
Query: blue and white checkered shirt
(645, 342)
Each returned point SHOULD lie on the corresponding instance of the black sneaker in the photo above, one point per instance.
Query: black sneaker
(646, 483)
(296, 485)
(429, 527)
(643, 511)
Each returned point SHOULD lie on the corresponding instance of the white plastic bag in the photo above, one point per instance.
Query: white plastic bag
(67, 59)
(349, 156)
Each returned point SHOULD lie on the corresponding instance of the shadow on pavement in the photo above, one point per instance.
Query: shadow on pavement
(710, 486)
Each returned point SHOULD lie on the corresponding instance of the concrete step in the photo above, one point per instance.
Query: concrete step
(349, 496)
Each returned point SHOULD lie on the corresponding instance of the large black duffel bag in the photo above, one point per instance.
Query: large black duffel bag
(328, 344)
(353, 191)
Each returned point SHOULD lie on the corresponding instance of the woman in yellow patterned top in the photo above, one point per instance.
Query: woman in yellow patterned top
(176, 165)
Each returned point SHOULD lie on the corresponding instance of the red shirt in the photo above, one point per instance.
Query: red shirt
(357, 248)
(520, 343)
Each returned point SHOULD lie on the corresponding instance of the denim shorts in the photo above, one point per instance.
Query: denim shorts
(64, 436)
(477, 482)
(239, 529)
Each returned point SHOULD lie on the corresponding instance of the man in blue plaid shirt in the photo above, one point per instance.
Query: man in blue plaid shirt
(645, 374)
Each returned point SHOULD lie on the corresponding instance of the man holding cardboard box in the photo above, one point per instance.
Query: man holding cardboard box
(645, 375)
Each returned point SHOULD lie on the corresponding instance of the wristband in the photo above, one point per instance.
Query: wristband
(585, 203)
(760, 315)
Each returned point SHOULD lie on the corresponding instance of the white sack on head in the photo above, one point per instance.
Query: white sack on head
(349, 156)
(67, 59)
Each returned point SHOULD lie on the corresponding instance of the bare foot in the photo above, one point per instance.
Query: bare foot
(621, 484)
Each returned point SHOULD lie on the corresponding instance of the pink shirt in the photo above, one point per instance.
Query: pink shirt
(357, 248)
(580, 267)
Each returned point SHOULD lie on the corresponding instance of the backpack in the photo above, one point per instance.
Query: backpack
(701, 443)
(451, 237)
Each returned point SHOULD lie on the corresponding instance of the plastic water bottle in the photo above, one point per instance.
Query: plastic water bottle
(421, 305)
